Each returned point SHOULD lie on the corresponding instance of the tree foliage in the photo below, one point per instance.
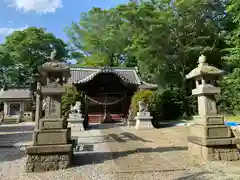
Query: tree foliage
(163, 38)
(24, 51)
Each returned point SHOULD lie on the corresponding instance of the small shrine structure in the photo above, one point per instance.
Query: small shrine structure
(16, 105)
(209, 138)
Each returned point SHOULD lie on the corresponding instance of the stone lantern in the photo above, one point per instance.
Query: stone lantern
(52, 148)
(209, 137)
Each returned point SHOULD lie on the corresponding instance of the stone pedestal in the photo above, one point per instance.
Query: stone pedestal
(52, 145)
(213, 141)
(209, 138)
(75, 122)
(52, 148)
(143, 120)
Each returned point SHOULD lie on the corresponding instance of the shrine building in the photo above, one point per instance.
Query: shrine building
(107, 90)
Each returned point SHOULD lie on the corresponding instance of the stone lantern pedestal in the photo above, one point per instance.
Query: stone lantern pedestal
(209, 138)
(52, 146)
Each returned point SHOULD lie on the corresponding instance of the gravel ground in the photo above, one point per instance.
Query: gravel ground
(95, 161)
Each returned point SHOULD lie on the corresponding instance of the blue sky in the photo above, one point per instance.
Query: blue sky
(54, 15)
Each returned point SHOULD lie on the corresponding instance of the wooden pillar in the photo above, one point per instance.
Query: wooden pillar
(85, 122)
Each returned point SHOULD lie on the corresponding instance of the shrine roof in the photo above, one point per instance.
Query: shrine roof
(130, 75)
(15, 94)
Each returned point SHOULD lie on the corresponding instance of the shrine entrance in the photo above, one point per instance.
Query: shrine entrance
(107, 96)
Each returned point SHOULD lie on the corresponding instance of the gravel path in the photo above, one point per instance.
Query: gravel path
(115, 153)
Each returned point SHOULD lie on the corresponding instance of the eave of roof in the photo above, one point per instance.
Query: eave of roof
(84, 74)
(127, 74)
(15, 94)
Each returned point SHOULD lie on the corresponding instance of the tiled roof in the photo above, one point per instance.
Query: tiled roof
(15, 94)
(83, 74)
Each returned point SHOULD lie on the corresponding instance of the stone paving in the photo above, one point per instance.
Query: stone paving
(116, 152)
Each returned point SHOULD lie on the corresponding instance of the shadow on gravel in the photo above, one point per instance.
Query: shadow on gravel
(197, 176)
(11, 154)
(105, 126)
(80, 159)
(16, 128)
(8, 140)
(167, 124)
(124, 137)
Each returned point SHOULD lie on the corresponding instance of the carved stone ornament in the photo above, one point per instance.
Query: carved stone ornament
(53, 55)
(55, 66)
(76, 108)
(142, 106)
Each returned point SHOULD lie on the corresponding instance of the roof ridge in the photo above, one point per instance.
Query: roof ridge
(100, 67)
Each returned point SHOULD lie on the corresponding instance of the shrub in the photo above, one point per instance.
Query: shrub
(142, 95)
(164, 105)
(69, 98)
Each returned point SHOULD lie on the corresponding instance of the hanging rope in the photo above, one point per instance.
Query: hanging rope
(105, 103)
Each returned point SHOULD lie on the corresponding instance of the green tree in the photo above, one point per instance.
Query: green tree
(24, 51)
(229, 99)
(164, 38)
(233, 56)
(102, 37)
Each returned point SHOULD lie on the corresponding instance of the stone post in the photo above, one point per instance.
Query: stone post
(209, 138)
(52, 147)
(38, 106)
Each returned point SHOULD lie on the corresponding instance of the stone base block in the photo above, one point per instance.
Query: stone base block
(209, 120)
(47, 162)
(76, 126)
(144, 123)
(46, 124)
(48, 137)
(143, 114)
(212, 142)
(65, 148)
(214, 131)
(214, 153)
(75, 116)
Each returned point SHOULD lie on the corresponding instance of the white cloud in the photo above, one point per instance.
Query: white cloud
(39, 6)
(7, 31)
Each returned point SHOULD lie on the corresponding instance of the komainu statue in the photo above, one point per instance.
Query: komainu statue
(76, 108)
(142, 106)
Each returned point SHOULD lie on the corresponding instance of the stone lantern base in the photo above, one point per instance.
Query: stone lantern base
(52, 147)
(210, 139)
(213, 149)
(48, 158)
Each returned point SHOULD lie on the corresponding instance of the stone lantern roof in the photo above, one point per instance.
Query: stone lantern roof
(55, 66)
(203, 69)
